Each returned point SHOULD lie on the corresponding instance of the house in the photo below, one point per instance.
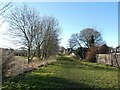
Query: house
(65, 51)
(118, 49)
(115, 50)
(112, 58)
(61, 49)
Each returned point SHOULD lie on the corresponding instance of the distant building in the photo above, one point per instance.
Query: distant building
(115, 50)
(70, 50)
(61, 49)
(110, 59)
(118, 49)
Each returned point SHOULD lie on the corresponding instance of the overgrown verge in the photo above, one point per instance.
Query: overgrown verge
(21, 66)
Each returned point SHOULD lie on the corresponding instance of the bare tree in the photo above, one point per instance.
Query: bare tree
(75, 40)
(87, 37)
(24, 25)
(90, 37)
(39, 34)
(52, 34)
(3, 8)
(48, 37)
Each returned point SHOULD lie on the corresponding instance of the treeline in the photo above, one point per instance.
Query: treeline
(88, 43)
(39, 34)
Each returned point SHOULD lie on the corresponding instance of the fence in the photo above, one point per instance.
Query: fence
(109, 59)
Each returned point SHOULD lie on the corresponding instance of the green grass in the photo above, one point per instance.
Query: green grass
(66, 73)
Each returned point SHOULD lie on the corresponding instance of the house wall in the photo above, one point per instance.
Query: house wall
(108, 59)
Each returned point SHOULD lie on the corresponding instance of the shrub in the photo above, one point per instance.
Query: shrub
(80, 52)
(91, 54)
(7, 62)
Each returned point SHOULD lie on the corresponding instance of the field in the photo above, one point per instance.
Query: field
(66, 73)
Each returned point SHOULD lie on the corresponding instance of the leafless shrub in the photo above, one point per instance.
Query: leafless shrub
(90, 54)
(7, 62)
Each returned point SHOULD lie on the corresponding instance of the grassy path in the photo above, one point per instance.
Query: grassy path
(66, 73)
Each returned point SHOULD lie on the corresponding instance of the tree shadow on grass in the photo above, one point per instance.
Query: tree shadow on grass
(36, 82)
(46, 82)
(64, 59)
(66, 62)
(98, 67)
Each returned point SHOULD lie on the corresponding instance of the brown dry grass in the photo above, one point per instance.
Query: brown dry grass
(21, 65)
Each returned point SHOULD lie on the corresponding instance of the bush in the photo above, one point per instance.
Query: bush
(80, 52)
(7, 62)
(91, 54)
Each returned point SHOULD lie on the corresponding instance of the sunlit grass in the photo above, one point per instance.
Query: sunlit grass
(67, 73)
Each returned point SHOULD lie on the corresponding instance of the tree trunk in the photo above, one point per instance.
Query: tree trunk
(29, 60)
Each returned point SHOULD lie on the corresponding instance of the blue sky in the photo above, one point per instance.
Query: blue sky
(73, 17)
